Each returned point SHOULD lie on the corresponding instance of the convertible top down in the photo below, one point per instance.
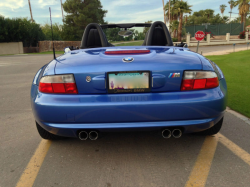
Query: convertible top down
(156, 86)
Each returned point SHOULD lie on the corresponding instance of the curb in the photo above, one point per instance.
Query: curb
(226, 52)
(238, 115)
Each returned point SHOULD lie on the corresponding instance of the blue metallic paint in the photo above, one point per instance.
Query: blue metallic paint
(160, 61)
(72, 130)
(94, 109)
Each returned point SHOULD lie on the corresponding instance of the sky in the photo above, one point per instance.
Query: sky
(119, 11)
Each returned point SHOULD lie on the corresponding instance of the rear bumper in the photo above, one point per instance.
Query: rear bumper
(72, 129)
(66, 114)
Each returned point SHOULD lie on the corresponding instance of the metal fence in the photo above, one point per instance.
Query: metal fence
(219, 29)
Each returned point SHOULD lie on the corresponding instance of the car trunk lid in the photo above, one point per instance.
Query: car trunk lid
(90, 67)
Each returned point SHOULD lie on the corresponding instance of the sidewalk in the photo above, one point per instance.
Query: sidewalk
(220, 50)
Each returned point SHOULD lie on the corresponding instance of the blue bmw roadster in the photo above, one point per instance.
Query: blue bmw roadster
(156, 86)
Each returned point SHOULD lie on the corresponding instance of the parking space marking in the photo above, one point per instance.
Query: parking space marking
(197, 178)
(245, 156)
(30, 173)
(199, 174)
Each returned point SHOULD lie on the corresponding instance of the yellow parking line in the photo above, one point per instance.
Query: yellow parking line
(199, 174)
(29, 175)
(245, 156)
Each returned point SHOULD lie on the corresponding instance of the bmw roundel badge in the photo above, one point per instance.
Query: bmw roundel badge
(128, 59)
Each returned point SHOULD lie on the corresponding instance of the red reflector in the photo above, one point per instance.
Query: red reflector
(58, 87)
(212, 82)
(127, 52)
(195, 84)
(45, 87)
(187, 84)
(70, 88)
(200, 83)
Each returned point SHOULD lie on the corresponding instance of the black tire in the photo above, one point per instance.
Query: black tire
(213, 130)
(45, 134)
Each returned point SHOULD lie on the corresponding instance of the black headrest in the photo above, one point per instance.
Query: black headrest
(94, 39)
(159, 38)
(94, 36)
(158, 35)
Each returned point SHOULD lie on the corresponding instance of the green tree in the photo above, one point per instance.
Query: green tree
(174, 27)
(177, 9)
(205, 16)
(146, 29)
(57, 31)
(112, 34)
(20, 30)
(79, 14)
(182, 7)
(139, 35)
(129, 38)
(243, 9)
(222, 9)
(174, 14)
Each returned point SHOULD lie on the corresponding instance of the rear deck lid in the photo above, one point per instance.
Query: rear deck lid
(166, 66)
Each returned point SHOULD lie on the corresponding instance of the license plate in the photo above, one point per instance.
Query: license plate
(128, 82)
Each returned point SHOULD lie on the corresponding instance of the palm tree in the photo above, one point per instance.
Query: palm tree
(173, 11)
(232, 4)
(222, 9)
(174, 27)
(243, 9)
(181, 7)
(164, 14)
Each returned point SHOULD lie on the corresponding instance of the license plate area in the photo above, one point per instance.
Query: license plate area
(129, 82)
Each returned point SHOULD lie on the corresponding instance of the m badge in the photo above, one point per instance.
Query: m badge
(174, 75)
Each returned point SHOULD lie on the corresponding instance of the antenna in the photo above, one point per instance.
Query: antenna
(54, 54)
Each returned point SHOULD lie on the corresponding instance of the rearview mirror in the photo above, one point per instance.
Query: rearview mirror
(125, 33)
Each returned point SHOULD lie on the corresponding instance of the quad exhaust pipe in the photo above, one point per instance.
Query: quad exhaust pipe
(92, 135)
(176, 133)
(166, 133)
(83, 135)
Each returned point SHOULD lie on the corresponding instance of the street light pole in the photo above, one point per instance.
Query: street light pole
(62, 9)
(30, 11)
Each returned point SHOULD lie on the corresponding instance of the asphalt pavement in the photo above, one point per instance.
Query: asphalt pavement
(117, 159)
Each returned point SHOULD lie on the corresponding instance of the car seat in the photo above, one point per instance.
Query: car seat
(158, 35)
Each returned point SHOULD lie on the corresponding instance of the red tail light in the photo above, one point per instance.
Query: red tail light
(122, 52)
(63, 84)
(195, 80)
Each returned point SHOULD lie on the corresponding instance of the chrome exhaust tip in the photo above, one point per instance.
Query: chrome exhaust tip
(176, 133)
(83, 135)
(166, 133)
(93, 135)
